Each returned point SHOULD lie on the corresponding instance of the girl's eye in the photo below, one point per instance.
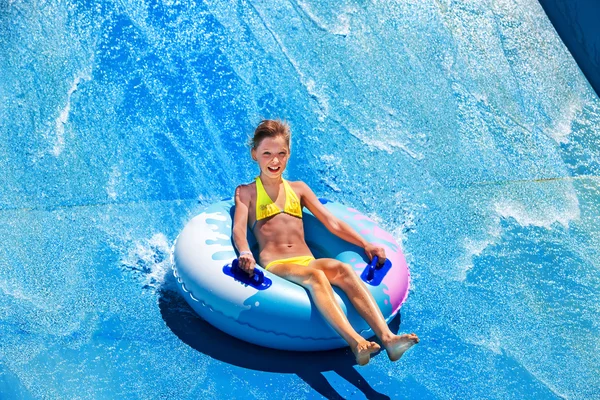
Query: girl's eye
(282, 154)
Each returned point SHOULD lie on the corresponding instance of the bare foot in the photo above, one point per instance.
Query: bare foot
(363, 351)
(397, 345)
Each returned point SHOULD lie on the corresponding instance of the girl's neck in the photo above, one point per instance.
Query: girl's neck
(270, 181)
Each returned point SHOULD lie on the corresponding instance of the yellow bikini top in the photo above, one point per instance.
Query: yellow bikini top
(265, 207)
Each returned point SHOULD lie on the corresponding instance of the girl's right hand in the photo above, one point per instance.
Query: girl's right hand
(246, 263)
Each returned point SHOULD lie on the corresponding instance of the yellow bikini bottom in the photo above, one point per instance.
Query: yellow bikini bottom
(302, 260)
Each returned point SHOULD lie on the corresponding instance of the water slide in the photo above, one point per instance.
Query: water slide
(464, 128)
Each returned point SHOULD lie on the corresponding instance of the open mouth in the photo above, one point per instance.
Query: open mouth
(273, 169)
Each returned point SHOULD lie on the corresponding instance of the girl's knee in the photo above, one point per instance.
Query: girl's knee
(336, 267)
(344, 275)
(316, 277)
(344, 270)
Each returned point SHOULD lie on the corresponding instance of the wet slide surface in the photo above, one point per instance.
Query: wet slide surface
(465, 128)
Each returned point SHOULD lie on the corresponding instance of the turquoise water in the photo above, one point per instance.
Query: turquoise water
(465, 128)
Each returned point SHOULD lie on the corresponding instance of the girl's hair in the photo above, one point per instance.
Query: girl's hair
(270, 128)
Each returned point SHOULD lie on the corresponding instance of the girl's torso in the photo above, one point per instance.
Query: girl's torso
(280, 235)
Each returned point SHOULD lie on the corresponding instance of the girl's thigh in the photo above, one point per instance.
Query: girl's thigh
(300, 274)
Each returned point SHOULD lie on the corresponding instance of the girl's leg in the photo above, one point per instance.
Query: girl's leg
(316, 282)
(343, 276)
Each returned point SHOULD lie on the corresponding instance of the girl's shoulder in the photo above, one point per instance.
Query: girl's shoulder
(248, 185)
(246, 191)
(299, 186)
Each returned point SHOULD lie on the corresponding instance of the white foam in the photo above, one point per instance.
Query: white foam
(385, 144)
(491, 343)
(63, 117)
(563, 127)
(342, 28)
(495, 344)
(474, 248)
(150, 260)
(113, 180)
(319, 96)
(540, 214)
(17, 293)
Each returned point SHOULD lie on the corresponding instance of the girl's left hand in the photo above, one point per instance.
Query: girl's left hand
(372, 250)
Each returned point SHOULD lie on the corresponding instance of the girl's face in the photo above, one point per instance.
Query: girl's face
(272, 156)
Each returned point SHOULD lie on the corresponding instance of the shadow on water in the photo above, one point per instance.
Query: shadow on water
(309, 366)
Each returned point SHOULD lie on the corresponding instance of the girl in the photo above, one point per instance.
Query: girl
(272, 208)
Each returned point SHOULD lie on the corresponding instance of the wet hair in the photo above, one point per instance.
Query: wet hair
(270, 128)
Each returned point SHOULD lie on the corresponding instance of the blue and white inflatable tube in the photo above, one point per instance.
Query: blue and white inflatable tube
(277, 313)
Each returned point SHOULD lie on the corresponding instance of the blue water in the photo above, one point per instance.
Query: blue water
(465, 128)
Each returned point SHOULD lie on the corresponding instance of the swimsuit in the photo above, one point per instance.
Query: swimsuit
(265, 208)
(300, 260)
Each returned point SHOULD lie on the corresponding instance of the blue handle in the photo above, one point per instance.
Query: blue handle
(373, 273)
(372, 267)
(258, 278)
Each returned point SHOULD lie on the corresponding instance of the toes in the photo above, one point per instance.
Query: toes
(368, 346)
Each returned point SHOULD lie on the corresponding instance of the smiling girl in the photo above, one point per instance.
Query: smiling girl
(272, 208)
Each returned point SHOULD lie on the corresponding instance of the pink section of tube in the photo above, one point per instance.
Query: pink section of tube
(359, 217)
(397, 279)
(381, 234)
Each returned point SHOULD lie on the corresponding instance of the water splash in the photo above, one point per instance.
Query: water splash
(148, 260)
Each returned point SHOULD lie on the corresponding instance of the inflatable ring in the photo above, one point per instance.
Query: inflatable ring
(271, 311)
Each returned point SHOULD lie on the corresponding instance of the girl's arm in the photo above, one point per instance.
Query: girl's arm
(337, 226)
(240, 224)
